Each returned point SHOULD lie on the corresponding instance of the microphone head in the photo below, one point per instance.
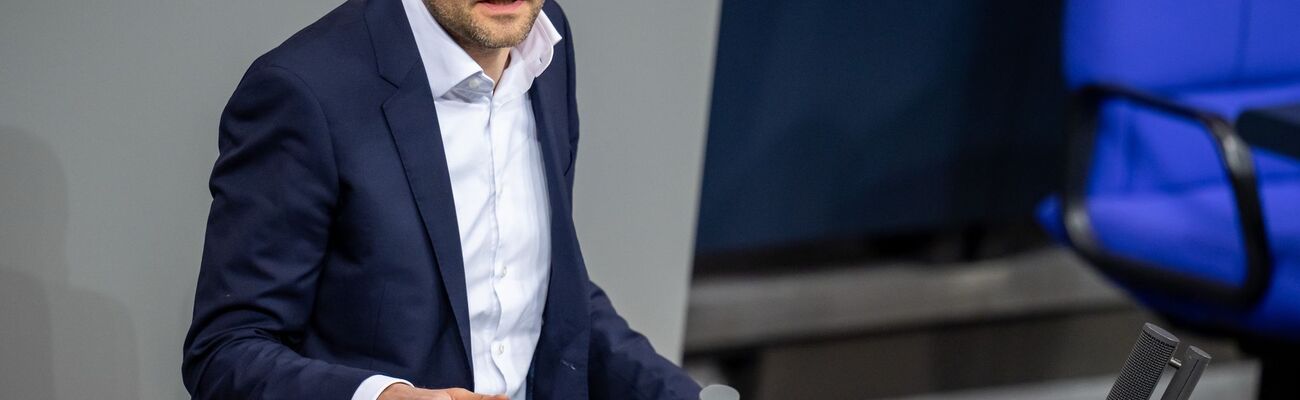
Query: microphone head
(1146, 362)
(719, 392)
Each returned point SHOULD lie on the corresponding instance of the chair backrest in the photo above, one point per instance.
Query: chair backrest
(1219, 55)
(1168, 44)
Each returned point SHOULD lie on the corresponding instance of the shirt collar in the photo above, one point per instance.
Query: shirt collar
(447, 64)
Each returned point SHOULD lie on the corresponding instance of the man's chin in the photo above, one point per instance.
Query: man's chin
(505, 29)
(501, 35)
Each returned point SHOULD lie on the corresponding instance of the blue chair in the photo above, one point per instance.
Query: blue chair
(1162, 194)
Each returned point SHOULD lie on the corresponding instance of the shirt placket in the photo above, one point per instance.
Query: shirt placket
(497, 159)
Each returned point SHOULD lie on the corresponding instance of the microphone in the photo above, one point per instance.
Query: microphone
(719, 392)
(1152, 352)
(1189, 372)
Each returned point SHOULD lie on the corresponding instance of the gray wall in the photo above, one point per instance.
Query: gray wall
(108, 116)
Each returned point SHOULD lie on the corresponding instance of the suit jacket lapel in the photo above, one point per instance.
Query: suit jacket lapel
(414, 125)
(413, 122)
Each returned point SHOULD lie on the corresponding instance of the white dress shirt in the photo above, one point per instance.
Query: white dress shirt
(495, 165)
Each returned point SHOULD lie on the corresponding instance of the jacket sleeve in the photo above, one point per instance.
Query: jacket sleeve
(623, 363)
(273, 188)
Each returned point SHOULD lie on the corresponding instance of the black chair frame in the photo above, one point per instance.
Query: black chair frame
(1236, 160)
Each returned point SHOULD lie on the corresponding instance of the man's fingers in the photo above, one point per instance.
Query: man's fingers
(440, 395)
(401, 391)
(462, 394)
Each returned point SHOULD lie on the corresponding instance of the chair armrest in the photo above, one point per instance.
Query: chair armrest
(1235, 157)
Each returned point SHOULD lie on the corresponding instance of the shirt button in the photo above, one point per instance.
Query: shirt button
(499, 348)
(501, 272)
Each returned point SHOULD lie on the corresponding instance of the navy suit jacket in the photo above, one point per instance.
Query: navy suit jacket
(332, 252)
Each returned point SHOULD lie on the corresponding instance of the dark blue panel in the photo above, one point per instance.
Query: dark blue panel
(835, 119)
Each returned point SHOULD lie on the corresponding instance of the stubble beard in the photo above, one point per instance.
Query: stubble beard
(460, 24)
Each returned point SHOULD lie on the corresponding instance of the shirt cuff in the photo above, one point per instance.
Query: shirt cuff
(375, 385)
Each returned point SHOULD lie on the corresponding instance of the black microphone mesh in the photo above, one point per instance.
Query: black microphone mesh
(1145, 363)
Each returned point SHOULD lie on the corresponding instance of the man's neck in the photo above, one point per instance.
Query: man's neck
(493, 61)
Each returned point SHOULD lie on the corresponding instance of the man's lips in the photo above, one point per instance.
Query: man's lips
(500, 6)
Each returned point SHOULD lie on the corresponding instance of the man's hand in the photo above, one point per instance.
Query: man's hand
(401, 391)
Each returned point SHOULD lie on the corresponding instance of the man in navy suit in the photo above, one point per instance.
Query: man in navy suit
(392, 219)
